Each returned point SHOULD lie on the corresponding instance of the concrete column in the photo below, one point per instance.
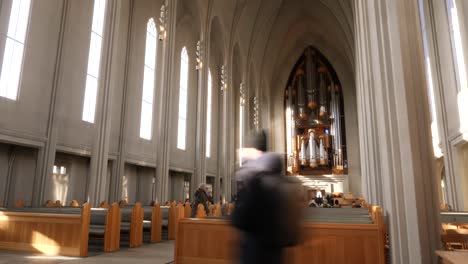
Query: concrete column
(116, 187)
(46, 157)
(435, 16)
(162, 176)
(200, 139)
(394, 126)
(99, 159)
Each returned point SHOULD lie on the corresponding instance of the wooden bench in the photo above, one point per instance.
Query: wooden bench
(132, 223)
(175, 213)
(48, 233)
(216, 241)
(104, 223)
(152, 222)
(454, 232)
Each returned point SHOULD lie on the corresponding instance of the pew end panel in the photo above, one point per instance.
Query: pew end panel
(176, 212)
(112, 231)
(187, 210)
(205, 241)
(156, 224)
(105, 204)
(19, 204)
(136, 226)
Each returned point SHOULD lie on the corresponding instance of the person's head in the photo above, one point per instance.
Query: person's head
(256, 144)
(202, 187)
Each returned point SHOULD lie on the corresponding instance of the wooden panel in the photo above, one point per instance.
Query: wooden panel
(187, 210)
(176, 212)
(112, 232)
(216, 241)
(136, 226)
(156, 224)
(46, 233)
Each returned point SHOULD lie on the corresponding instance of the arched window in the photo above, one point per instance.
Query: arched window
(146, 122)
(457, 44)
(208, 114)
(94, 61)
(14, 46)
(183, 93)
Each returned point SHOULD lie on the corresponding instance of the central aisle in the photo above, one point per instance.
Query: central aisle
(160, 253)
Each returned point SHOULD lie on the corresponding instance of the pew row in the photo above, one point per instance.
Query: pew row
(454, 230)
(48, 233)
(132, 223)
(216, 241)
(104, 224)
(176, 213)
(152, 222)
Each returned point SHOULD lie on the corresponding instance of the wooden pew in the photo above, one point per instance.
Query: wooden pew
(49, 203)
(217, 210)
(216, 241)
(19, 204)
(132, 223)
(176, 212)
(454, 232)
(104, 223)
(44, 232)
(152, 222)
(187, 210)
(201, 213)
(107, 228)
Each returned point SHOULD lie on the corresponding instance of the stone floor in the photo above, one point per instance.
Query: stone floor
(161, 253)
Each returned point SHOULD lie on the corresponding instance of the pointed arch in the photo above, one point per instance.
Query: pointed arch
(147, 97)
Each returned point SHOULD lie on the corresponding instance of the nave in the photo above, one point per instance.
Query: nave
(113, 114)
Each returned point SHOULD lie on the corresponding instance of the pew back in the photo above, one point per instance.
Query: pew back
(44, 232)
(215, 241)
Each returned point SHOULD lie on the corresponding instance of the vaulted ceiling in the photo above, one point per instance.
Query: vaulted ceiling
(271, 34)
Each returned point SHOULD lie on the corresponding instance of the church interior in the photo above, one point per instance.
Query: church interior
(114, 112)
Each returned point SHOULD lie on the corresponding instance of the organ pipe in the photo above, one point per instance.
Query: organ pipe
(300, 98)
(311, 80)
(323, 97)
(312, 150)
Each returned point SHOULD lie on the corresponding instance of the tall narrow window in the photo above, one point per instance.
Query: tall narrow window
(14, 47)
(208, 115)
(182, 122)
(241, 121)
(457, 44)
(94, 61)
(430, 85)
(146, 122)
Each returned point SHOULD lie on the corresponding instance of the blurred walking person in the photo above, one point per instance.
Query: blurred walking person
(267, 210)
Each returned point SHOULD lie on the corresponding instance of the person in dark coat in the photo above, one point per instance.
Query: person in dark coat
(200, 198)
(258, 209)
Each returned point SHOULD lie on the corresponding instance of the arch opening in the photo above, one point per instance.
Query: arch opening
(314, 118)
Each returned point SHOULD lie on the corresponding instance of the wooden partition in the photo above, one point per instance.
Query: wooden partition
(187, 210)
(136, 226)
(156, 224)
(176, 212)
(216, 241)
(63, 234)
(112, 229)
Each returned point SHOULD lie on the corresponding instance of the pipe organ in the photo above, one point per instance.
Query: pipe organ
(315, 129)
